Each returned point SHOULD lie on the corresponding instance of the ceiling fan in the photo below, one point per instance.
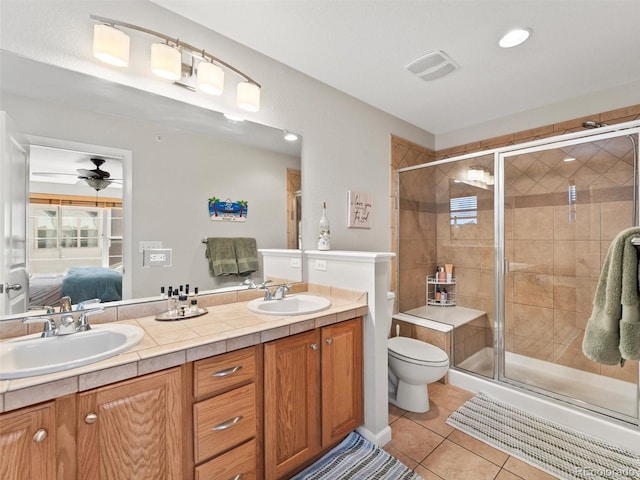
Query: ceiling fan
(96, 178)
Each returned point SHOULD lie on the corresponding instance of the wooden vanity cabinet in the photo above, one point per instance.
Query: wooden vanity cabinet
(28, 443)
(132, 429)
(313, 390)
(226, 415)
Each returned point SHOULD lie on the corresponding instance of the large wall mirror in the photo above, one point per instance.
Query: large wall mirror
(166, 160)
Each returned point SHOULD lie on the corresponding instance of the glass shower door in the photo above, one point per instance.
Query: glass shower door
(563, 204)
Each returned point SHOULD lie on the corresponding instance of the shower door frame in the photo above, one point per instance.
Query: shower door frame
(502, 264)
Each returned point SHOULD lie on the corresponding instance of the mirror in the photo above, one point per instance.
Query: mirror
(175, 158)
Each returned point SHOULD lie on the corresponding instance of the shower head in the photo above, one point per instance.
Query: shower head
(592, 124)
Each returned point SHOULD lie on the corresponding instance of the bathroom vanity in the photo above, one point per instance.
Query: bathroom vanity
(226, 394)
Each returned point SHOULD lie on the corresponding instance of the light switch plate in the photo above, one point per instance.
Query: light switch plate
(321, 265)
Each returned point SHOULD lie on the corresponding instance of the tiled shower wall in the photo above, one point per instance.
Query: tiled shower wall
(555, 266)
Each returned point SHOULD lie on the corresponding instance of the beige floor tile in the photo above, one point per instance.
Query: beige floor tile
(395, 413)
(453, 462)
(412, 439)
(434, 419)
(426, 473)
(507, 475)
(408, 461)
(478, 447)
(526, 471)
(448, 396)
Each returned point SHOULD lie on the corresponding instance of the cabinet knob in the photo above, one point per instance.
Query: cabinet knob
(314, 346)
(238, 477)
(91, 418)
(40, 436)
(329, 341)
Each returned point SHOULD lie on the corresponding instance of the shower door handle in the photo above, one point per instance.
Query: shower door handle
(506, 266)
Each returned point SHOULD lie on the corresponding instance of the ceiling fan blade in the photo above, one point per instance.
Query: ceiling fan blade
(50, 174)
(87, 173)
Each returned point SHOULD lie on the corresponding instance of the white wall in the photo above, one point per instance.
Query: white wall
(346, 142)
(172, 182)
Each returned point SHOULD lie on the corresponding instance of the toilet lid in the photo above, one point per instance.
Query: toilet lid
(417, 350)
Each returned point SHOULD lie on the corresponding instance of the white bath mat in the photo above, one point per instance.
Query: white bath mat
(558, 450)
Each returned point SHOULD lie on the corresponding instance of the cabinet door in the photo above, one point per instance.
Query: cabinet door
(27, 444)
(291, 389)
(132, 430)
(342, 380)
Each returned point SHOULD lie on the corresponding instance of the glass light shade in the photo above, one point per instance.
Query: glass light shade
(166, 61)
(210, 78)
(98, 183)
(248, 96)
(110, 45)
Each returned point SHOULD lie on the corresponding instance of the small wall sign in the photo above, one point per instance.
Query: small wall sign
(227, 211)
(360, 205)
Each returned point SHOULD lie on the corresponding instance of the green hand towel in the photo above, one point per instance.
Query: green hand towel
(246, 254)
(222, 256)
(613, 331)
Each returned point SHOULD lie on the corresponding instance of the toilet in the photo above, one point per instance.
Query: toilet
(412, 365)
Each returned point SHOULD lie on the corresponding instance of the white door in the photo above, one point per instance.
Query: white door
(14, 191)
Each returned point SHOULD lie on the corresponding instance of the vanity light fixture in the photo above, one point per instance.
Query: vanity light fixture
(111, 45)
(290, 137)
(514, 37)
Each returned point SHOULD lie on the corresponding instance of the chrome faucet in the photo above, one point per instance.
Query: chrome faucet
(49, 329)
(83, 321)
(67, 324)
(280, 292)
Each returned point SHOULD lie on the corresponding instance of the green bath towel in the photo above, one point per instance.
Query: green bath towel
(613, 331)
(246, 255)
(222, 256)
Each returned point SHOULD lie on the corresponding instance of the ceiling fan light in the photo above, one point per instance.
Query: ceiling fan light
(98, 183)
(166, 61)
(110, 45)
(210, 78)
(248, 97)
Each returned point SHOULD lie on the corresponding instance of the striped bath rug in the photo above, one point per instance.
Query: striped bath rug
(557, 450)
(356, 458)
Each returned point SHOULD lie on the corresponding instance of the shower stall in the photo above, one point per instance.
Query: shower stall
(527, 229)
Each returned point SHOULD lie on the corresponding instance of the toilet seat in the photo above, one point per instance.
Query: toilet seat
(416, 351)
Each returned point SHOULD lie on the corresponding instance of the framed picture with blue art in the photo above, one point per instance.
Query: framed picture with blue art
(227, 211)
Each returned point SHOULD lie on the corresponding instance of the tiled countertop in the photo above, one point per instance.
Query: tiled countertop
(167, 344)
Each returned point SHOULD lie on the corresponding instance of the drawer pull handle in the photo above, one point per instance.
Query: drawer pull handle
(40, 436)
(227, 424)
(329, 341)
(314, 346)
(227, 371)
(91, 418)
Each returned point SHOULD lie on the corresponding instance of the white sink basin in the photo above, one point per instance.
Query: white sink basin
(298, 304)
(32, 355)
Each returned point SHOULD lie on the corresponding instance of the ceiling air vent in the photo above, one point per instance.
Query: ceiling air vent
(432, 65)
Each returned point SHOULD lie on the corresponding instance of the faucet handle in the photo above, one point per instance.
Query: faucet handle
(83, 321)
(49, 329)
(83, 305)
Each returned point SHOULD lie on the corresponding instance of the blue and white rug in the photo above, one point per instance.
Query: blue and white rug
(558, 450)
(356, 458)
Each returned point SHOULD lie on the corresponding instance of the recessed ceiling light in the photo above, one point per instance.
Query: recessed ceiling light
(514, 37)
(290, 137)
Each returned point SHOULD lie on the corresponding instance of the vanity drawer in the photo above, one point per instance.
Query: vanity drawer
(223, 422)
(239, 461)
(224, 371)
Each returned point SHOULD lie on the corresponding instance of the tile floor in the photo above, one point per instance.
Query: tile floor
(436, 451)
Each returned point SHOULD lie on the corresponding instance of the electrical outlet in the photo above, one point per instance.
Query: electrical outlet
(157, 257)
(321, 265)
(146, 245)
(295, 263)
